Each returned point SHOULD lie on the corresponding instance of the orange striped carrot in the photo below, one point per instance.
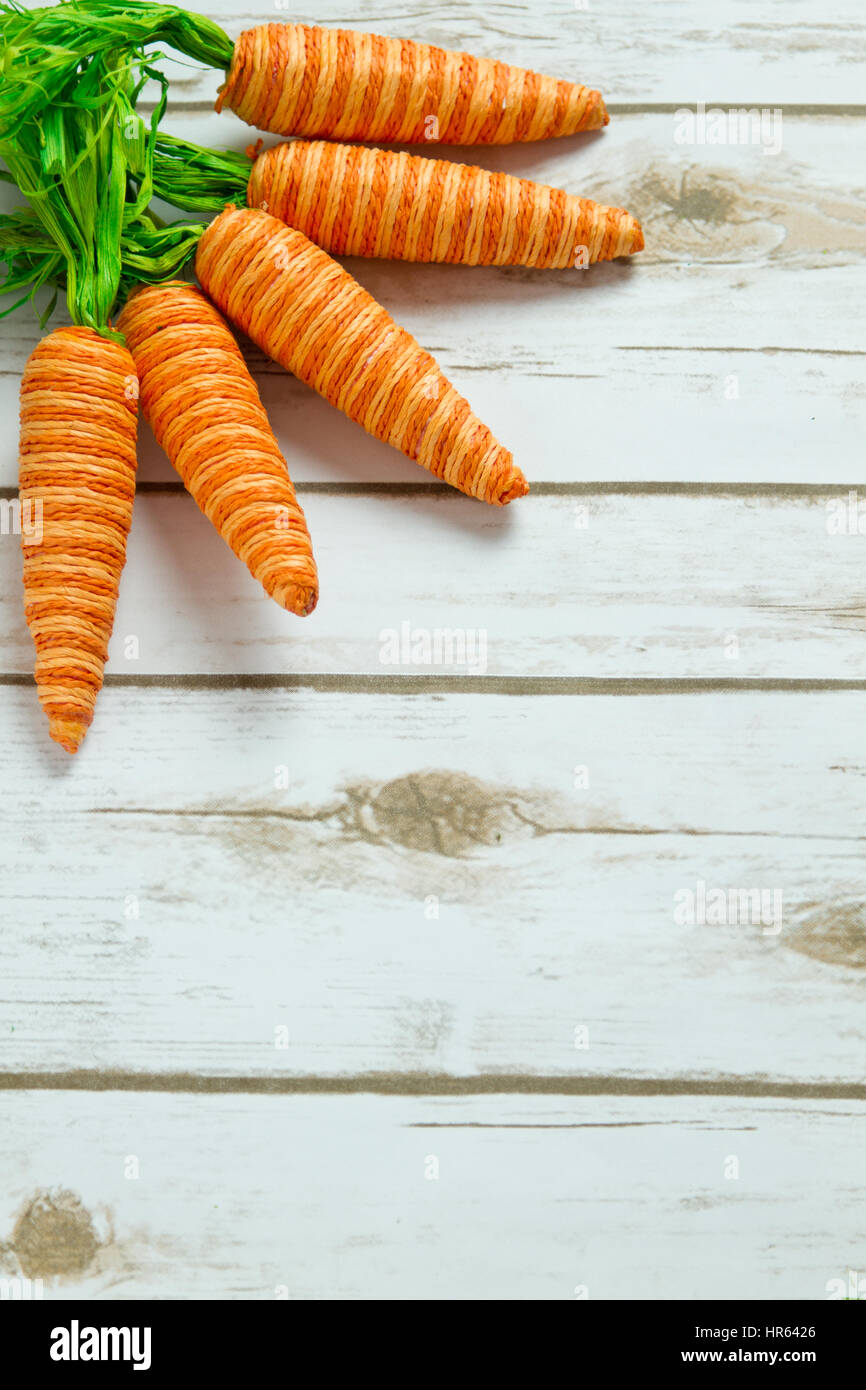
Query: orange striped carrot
(300, 80)
(205, 412)
(355, 201)
(79, 418)
(309, 314)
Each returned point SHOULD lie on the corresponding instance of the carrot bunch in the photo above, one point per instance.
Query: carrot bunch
(85, 165)
(263, 264)
(301, 80)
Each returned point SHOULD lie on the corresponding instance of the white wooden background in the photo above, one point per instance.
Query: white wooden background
(241, 1056)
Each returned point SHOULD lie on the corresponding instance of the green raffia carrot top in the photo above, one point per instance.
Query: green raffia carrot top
(77, 149)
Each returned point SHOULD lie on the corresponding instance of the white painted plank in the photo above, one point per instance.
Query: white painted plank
(670, 51)
(312, 1197)
(627, 585)
(173, 906)
(726, 351)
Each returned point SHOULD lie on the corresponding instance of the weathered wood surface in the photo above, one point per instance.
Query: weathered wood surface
(627, 585)
(334, 1197)
(222, 865)
(236, 884)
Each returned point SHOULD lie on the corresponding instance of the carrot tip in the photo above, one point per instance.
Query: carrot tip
(297, 600)
(518, 487)
(69, 733)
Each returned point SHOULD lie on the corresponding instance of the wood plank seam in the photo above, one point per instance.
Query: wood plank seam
(577, 488)
(472, 685)
(431, 1084)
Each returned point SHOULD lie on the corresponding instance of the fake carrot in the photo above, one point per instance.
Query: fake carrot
(205, 411)
(79, 390)
(365, 202)
(297, 79)
(351, 200)
(312, 317)
(79, 420)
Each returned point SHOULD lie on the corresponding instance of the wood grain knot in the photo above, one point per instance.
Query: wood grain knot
(698, 213)
(441, 812)
(834, 932)
(54, 1235)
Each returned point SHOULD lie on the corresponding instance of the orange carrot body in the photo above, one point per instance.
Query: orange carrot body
(79, 416)
(205, 411)
(355, 201)
(309, 314)
(300, 80)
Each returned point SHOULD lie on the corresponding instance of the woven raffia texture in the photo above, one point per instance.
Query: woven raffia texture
(308, 313)
(204, 408)
(79, 417)
(355, 201)
(300, 80)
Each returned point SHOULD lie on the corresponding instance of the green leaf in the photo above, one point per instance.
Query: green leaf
(84, 162)
(54, 40)
(198, 179)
